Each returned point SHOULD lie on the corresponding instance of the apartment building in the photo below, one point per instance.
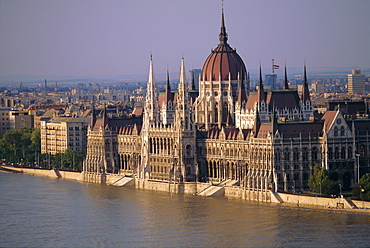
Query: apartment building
(62, 133)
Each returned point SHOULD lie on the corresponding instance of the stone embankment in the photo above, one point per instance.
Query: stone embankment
(48, 173)
(204, 189)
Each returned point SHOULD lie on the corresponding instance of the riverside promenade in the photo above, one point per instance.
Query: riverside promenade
(224, 190)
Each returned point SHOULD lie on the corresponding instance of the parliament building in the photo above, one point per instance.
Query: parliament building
(222, 133)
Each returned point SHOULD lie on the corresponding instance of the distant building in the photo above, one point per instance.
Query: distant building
(356, 82)
(318, 88)
(12, 118)
(194, 77)
(20, 119)
(271, 80)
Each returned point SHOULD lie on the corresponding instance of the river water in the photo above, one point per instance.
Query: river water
(46, 212)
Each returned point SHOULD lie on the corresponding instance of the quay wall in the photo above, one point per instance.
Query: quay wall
(183, 188)
(362, 204)
(251, 195)
(48, 173)
(302, 200)
(196, 187)
(71, 175)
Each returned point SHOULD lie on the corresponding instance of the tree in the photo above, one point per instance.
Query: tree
(20, 145)
(362, 191)
(319, 181)
(70, 160)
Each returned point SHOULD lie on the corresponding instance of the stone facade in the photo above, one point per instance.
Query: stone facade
(257, 141)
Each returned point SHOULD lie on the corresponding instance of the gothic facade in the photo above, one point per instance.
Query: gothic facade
(266, 140)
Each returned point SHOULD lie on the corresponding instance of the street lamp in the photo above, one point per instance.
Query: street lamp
(358, 167)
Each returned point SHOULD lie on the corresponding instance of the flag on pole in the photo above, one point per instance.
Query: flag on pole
(276, 66)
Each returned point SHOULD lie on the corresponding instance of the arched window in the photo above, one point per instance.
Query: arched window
(188, 150)
(286, 154)
(342, 131)
(216, 112)
(225, 112)
(296, 176)
(314, 153)
(336, 153)
(343, 153)
(330, 153)
(362, 151)
(335, 131)
(295, 154)
(277, 155)
(349, 152)
(305, 154)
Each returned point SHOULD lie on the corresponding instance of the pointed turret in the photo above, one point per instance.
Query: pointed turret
(305, 92)
(168, 95)
(260, 92)
(182, 106)
(257, 123)
(223, 34)
(285, 86)
(274, 123)
(241, 94)
(182, 83)
(151, 106)
(192, 84)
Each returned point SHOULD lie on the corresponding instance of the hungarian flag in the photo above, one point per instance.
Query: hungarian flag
(276, 66)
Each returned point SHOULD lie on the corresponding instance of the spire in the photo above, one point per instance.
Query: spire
(286, 86)
(182, 74)
(241, 94)
(151, 72)
(257, 123)
(182, 97)
(183, 114)
(260, 93)
(151, 106)
(274, 123)
(223, 34)
(168, 86)
(305, 93)
(167, 92)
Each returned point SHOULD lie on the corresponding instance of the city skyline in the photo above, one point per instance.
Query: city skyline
(88, 38)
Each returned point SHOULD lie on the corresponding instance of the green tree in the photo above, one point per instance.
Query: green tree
(35, 140)
(70, 160)
(319, 181)
(362, 191)
(20, 145)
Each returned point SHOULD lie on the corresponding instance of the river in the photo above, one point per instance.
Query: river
(46, 212)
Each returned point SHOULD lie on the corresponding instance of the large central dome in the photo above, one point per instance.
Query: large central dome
(223, 60)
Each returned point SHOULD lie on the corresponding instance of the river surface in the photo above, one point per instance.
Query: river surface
(46, 212)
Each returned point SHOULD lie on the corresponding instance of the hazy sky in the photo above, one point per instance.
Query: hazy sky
(85, 38)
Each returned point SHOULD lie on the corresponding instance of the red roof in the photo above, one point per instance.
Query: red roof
(328, 119)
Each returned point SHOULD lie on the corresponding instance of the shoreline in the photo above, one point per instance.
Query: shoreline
(284, 200)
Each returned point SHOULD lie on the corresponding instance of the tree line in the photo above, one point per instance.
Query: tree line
(23, 148)
(319, 182)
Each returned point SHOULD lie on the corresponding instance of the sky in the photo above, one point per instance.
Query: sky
(91, 37)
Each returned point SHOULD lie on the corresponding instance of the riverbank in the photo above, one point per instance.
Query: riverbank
(206, 189)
